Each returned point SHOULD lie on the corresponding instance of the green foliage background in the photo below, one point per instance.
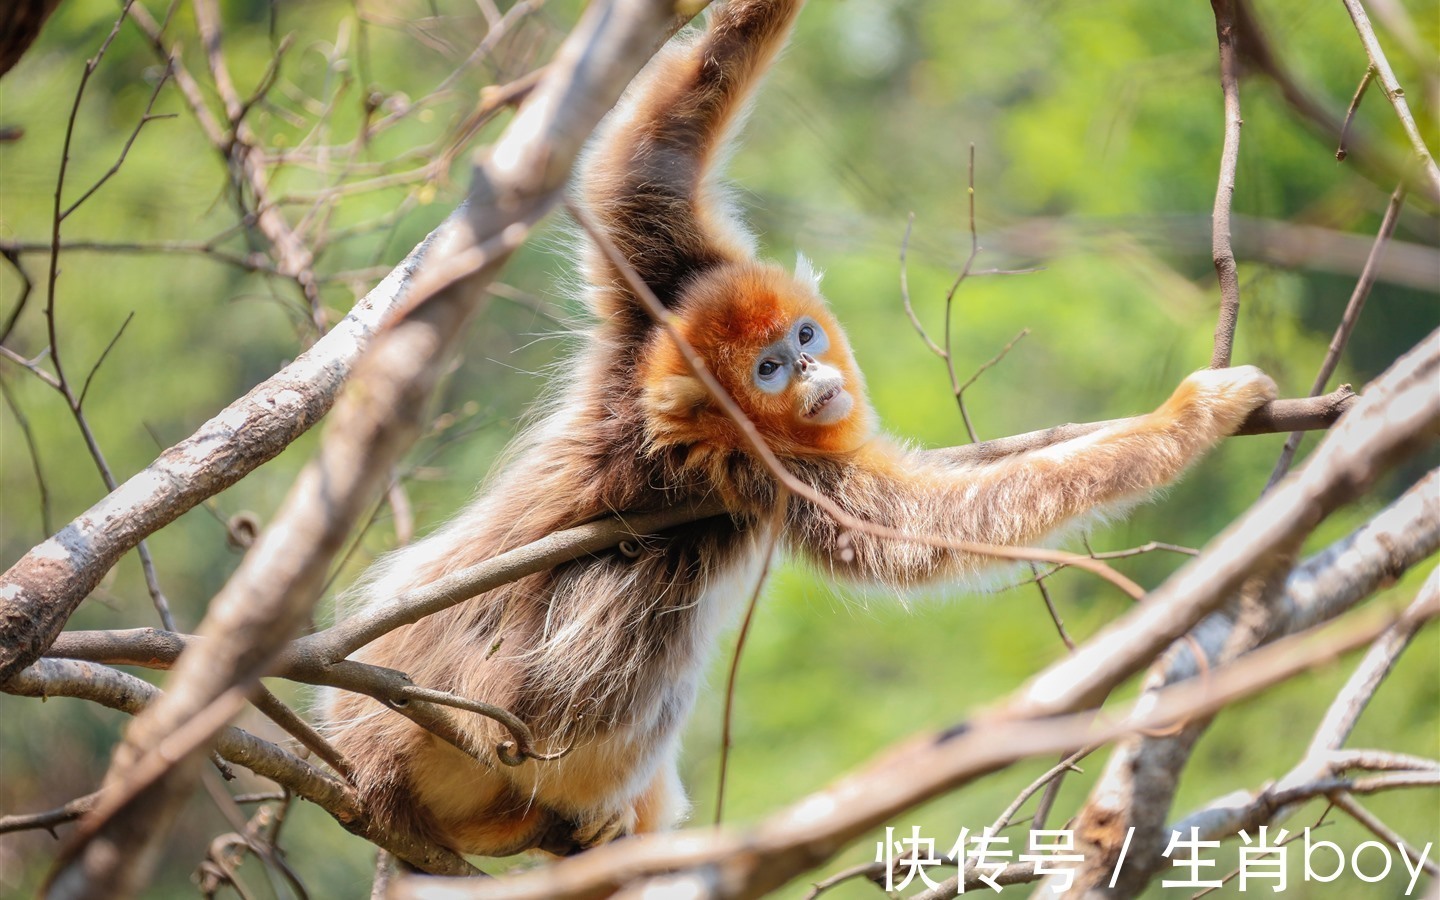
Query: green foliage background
(1097, 130)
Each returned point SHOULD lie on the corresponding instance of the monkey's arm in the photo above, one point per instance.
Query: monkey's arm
(1017, 500)
(646, 181)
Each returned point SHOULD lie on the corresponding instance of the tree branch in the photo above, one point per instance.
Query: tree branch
(723, 863)
(1131, 800)
(40, 591)
(1220, 251)
(275, 587)
(1347, 324)
(116, 690)
(1429, 172)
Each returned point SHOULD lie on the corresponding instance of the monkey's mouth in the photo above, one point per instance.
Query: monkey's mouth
(830, 407)
(819, 404)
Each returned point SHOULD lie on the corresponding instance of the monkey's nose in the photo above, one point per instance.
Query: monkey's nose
(805, 362)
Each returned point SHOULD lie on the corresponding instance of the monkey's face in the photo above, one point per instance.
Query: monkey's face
(792, 367)
(774, 346)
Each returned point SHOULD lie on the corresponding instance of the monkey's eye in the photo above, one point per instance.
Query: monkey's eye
(807, 334)
(768, 368)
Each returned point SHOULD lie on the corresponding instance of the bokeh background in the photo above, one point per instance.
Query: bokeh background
(1097, 129)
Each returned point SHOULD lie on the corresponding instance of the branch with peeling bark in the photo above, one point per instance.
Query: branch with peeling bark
(1325, 761)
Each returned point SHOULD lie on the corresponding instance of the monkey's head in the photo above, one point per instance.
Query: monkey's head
(774, 346)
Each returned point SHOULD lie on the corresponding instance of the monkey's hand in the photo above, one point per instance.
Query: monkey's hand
(1218, 400)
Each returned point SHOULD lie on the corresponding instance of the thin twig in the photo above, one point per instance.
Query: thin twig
(34, 452)
(1341, 152)
(1360, 814)
(1221, 252)
(1347, 324)
(276, 711)
(236, 144)
(1148, 547)
(950, 294)
(1396, 94)
(85, 388)
(50, 818)
(1050, 605)
(61, 383)
(772, 538)
(984, 367)
(145, 118)
(905, 290)
(967, 270)
(27, 287)
(1372, 159)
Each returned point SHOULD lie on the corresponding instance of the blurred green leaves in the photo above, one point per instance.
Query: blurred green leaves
(1093, 123)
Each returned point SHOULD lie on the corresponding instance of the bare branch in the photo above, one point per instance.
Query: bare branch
(116, 690)
(237, 144)
(772, 538)
(50, 818)
(1430, 173)
(1223, 256)
(1373, 159)
(42, 589)
(85, 388)
(1340, 151)
(1347, 706)
(1343, 800)
(1132, 798)
(282, 715)
(1347, 324)
(1276, 417)
(905, 290)
(32, 450)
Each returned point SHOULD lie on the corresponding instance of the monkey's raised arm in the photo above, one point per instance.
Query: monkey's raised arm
(647, 180)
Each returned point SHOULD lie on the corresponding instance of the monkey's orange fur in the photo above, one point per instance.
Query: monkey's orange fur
(604, 654)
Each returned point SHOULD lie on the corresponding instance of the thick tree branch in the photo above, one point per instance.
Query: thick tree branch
(1324, 761)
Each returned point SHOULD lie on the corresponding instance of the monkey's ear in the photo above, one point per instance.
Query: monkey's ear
(679, 397)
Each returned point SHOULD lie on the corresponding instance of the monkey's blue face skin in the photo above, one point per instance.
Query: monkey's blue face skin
(793, 355)
(793, 362)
